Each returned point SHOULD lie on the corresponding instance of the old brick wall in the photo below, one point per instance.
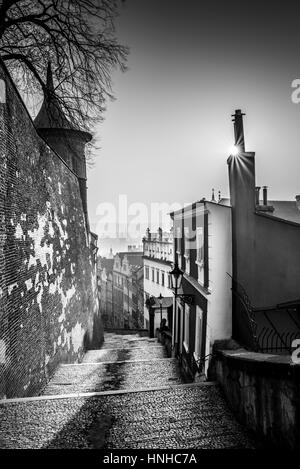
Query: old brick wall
(48, 287)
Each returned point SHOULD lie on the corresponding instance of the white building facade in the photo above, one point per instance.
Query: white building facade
(203, 251)
(158, 257)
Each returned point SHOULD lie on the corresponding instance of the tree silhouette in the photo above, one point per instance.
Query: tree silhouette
(77, 37)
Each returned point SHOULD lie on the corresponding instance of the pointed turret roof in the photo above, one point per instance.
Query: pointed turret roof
(51, 115)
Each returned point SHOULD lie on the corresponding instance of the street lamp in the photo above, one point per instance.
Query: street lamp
(160, 299)
(176, 278)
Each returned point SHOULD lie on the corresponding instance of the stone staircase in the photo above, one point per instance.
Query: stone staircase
(126, 395)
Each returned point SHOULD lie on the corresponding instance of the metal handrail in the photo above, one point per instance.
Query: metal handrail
(267, 339)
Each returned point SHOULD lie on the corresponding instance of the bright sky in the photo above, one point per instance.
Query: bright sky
(167, 135)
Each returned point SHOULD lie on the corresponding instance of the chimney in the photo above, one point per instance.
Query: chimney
(241, 171)
(257, 191)
(159, 234)
(264, 207)
(148, 234)
(298, 201)
(219, 196)
(265, 195)
(239, 130)
(213, 196)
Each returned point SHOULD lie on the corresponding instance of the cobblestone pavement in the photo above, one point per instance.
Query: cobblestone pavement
(181, 417)
(134, 353)
(170, 415)
(113, 341)
(113, 376)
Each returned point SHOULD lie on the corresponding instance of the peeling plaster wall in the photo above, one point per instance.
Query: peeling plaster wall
(48, 290)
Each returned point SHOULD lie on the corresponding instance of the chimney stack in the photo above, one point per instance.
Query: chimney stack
(239, 130)
(257, 191)
(298, 201)
(213, 196)
(265, 195)
(265, 207)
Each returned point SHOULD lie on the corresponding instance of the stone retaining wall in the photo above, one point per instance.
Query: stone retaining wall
(264, 392)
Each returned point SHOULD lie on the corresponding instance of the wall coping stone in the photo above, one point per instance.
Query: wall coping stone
(268, 365)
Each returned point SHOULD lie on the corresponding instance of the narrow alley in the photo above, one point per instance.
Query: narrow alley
(126, 395)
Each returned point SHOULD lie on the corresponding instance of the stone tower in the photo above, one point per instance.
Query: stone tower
(62, 136)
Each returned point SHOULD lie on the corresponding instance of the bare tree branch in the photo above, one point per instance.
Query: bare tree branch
(78, 37)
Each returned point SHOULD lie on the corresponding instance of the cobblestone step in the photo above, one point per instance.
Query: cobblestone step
(113, 376)
(180, 417)
(113, 341)
(121, 354)
(136, 399)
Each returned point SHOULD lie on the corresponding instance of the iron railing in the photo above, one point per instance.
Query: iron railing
(272, 329)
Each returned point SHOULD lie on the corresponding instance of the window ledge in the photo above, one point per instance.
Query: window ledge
(197, 284)
(205, 288)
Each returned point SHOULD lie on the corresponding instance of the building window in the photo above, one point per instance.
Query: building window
(157, 276)
(200, 254)
(186, 327)
(198, 333)
(186, 242)
(178, 247)
(187, 249)
(179, 257)
(153, 275)
(147, 272)
(163, 279)
(169, 281)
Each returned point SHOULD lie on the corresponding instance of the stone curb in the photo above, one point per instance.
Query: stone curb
(127, 349)
(118, 361)
(24, 400)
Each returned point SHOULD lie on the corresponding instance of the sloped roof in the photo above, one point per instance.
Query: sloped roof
(224, 201)
(51, 115)
(285, 209)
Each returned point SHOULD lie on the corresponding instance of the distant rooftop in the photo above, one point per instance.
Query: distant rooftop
(135, 259)
(107, 263)
(159, 235)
